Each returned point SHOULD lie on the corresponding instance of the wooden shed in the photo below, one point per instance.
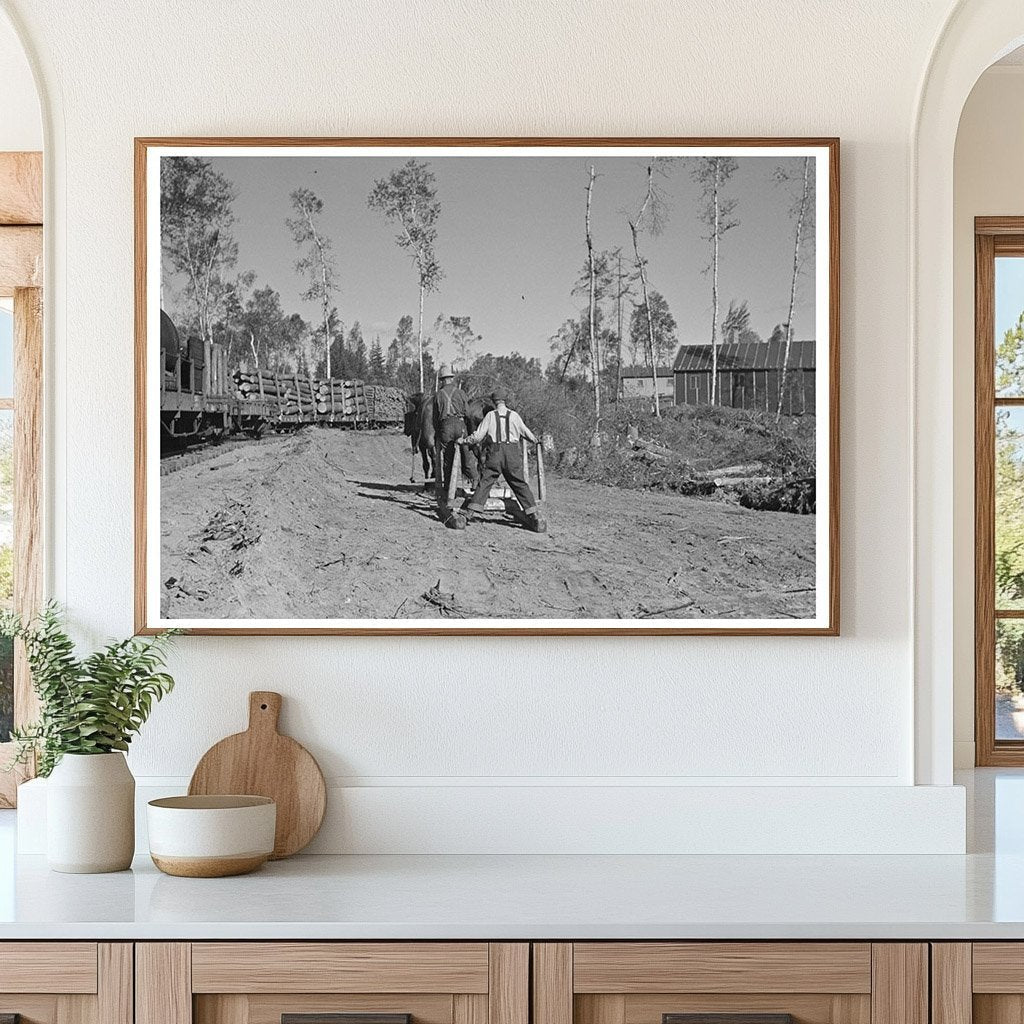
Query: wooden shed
(636, 382)
(749, 376)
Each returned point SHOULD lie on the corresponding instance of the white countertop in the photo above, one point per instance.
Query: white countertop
(516, 897)
(977, 896)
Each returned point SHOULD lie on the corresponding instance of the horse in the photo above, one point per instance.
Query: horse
(473, 455)
(419, 428)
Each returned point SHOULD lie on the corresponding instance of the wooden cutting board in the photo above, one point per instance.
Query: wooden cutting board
(262, 762)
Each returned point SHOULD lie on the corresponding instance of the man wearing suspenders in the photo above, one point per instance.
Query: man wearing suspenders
(501, 431)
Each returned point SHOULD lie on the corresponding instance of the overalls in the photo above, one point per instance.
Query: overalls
(504, 458)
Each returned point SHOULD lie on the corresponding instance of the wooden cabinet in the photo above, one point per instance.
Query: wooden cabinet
(310, 982)
(66, 982)
(978, 983)
(494, 983)
(751, 982)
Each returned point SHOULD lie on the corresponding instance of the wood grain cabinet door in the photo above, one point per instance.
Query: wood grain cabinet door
(730, 983)
(978, 983)
(66, 982)
(332, 983)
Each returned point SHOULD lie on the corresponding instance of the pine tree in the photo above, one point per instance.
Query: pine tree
(356, 351)
(376, 371)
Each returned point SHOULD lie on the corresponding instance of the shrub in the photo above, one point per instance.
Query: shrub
(90, 705)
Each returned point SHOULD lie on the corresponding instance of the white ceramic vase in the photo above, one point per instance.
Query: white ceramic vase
(90, 814)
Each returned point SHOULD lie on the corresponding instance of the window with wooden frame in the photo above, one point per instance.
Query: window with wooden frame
(21, 365)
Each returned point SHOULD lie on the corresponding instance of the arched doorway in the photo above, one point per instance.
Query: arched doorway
(976, 34)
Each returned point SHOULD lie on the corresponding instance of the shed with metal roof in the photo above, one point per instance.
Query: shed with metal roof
(749, 376)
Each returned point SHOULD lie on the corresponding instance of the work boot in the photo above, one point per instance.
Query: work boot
(537, 524)
(455, 522)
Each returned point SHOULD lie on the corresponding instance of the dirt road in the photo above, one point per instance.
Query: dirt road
(325, 524)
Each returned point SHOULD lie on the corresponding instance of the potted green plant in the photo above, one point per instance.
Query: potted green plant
(90, 708)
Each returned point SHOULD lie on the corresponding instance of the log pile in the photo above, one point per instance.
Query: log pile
(291, 394)
(354, 401)
(296, 398)
(384, 404)
(341, 400)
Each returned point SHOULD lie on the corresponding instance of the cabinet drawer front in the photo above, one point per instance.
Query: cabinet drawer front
(998, 967)
(269, 1009)
(637, 967)
(339, 967)
(807, 1009)
(58, 967)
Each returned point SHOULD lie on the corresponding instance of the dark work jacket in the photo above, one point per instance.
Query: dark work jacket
(448, 429)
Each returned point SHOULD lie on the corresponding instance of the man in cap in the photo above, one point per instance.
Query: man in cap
(502, 431)
(451, 406)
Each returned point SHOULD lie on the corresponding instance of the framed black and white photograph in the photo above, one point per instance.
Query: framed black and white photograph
(508, 386)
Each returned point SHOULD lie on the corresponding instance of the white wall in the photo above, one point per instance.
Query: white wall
(21, 126)
(431, 715)
(987, 181)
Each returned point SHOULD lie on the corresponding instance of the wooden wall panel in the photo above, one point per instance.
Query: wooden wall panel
(28, 512)
(628, 967)
(21, 188)
(900, 990)
(21, 259)
(339, 967)
(28, 482)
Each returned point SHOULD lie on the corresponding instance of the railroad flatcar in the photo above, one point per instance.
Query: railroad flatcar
(200, 402)
(195, 404)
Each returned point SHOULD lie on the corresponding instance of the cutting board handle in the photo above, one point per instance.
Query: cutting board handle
(264, 710)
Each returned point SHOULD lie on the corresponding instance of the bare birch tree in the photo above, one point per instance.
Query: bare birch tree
(464, 339)
(317, 263)
(802, 212)
(711, 173)
(649, 217)
(408, 197)
(623, 289)
(595, 371)
(195, 229)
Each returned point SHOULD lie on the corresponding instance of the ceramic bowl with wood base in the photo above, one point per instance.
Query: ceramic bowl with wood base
(211, 836)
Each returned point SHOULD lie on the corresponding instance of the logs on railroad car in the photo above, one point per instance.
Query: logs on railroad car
(340, 401)
(385, 404)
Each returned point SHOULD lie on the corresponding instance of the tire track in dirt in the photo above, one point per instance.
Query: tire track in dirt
(326, 525)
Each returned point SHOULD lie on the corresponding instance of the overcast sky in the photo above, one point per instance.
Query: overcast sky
(511, 241)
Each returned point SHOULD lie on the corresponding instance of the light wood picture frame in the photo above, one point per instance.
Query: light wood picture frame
(693, 490)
